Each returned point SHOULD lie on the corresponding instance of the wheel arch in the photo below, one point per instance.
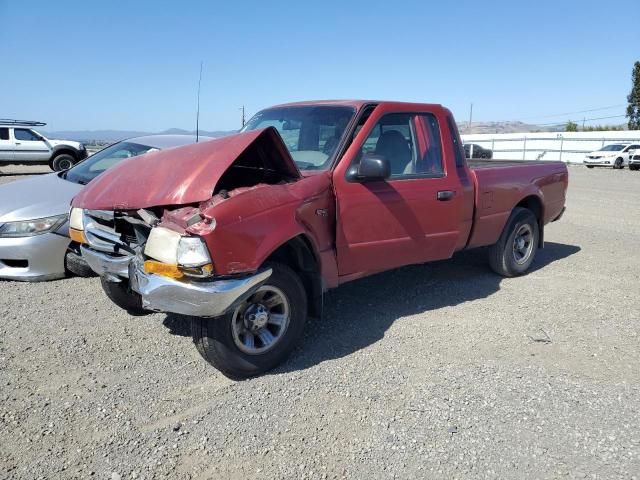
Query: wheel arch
(300, 254)
(62, 149)
(534, 204)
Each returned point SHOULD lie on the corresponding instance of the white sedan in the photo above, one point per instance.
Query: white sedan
(616, 155)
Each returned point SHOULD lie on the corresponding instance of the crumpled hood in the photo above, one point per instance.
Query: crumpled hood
(36, 197)
(182, 175)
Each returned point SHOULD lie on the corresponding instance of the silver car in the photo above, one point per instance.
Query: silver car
(34, 228)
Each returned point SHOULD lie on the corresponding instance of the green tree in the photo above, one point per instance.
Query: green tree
(633, 109)
(571, 127)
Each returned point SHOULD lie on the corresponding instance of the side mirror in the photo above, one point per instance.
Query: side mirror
(371, 167)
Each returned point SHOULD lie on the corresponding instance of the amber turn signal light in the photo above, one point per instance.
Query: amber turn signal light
(77, 236)
(163, 269)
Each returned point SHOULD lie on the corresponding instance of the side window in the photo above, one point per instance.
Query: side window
(458, 151)
(4, 134)
(24, 134)
(409, 141)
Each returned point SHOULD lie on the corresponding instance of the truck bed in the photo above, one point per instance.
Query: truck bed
(477, 163)
(537, 185)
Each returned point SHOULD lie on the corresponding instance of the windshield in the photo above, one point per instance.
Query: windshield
(106, 158)
(612, 148)
(311, 133)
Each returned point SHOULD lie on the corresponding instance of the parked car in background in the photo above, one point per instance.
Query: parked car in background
(34, 227)
(245, 233)
(615, 155)
(472, 150)
(634, 161)
(21, 144)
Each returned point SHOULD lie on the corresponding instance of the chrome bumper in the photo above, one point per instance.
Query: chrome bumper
(107, 265)
(162, 294)
(200, 299)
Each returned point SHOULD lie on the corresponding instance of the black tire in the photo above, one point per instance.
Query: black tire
(214, 338)
(619, 164)
(634, 167)
(75, 265)
(120, 294)
(63, 161)
(590, 166)
(501, 254)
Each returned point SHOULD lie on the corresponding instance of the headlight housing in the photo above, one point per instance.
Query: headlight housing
(175, 255)
(30, 228)
(75, 219)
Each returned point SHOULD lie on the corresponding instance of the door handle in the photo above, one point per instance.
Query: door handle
(18, 143)
(446, 195)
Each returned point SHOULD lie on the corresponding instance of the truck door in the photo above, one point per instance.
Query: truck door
(6, 145)
(30, 147)
(413, 216)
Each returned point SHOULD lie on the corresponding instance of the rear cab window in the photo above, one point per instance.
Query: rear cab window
(4, 133)
(458, 149)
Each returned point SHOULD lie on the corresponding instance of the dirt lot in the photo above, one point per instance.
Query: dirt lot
(434, 371)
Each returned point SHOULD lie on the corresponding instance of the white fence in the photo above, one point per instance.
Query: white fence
(569, 147)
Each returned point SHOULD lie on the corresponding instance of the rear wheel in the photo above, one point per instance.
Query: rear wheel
(120, 294)
(64, 161)
(589, 166)
(259, 333)
(513, 253)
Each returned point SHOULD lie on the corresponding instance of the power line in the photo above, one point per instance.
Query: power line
(584, 120)
(576, 112)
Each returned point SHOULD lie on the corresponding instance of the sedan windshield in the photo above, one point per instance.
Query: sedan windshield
(106, 158)
(612, 148)
(311, 133)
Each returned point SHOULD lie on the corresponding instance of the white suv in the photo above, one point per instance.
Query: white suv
(616, 155)
(21, 144)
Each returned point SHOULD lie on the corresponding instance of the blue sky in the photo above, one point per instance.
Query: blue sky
(134, 64)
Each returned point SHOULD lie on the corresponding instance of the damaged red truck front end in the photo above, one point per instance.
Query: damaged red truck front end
(218, 186)
(245, 233)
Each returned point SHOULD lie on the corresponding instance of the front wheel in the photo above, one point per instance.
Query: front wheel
(260, 332)
(513, 253)
(589, 166)
(634, 167)
(619, 164)
(120, 294)
(61, 162)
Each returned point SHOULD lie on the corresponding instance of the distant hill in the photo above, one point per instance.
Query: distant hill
(116, 135)
(506, 127)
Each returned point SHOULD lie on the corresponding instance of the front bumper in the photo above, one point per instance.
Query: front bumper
(599, 162)
(185, 297)
(33, 259)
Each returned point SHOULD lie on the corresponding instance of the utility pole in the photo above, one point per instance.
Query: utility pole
(243, 117)
(583, 119)
(198, 108)
(470, 117)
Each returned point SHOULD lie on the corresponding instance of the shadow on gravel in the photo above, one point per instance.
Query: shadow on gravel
(358, 313)
(177, 325)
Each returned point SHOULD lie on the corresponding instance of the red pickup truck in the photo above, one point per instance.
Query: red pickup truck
(245, 233)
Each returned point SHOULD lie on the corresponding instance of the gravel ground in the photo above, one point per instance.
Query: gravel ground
(434, 371)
